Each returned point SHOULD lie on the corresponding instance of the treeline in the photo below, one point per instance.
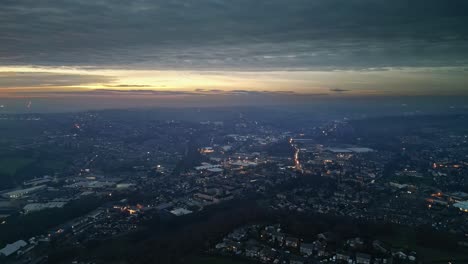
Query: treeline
(174, 240)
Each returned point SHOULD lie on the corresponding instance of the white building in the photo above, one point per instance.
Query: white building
(463, 206)
(32, 207)
(12, 248)
(180, 211)
(23, 192)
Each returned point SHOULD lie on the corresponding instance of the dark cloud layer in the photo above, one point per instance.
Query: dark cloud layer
(338, 90)
(242, 34)
(42, 79)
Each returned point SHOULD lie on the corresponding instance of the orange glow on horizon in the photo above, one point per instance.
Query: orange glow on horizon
(19, 81)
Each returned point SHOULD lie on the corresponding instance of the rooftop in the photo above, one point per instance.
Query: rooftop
(463, 206)
(12, 248)
(180, 211)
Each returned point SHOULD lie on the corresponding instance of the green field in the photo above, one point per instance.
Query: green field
(10, 166)
(20, 129)
(19, 167)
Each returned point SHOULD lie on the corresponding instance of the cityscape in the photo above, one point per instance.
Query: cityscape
(339, 190)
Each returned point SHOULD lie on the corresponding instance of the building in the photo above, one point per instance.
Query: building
(180, 211)
(41, 206)
(462, 206)
(292, 242)
(267, 255)
(232, 246)
(362, 258)
(378, 245)
(206, 197)
(124, 185)
(343, 256)
(278, 237)
(252, 251)
(23, 192)
(207, 166)
(39, 181)
(10, 249)
(307, 249)
(297, 260)
(206, 150)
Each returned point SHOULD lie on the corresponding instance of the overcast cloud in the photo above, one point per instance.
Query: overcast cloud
(235, 34)
(41, 79)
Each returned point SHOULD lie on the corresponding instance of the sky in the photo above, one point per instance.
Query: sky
(280, 49)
